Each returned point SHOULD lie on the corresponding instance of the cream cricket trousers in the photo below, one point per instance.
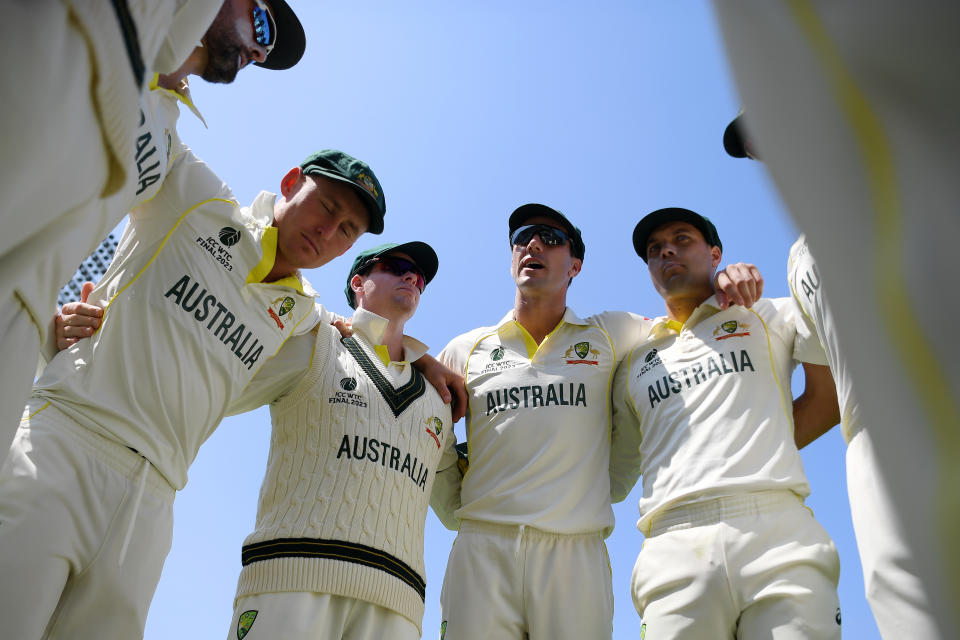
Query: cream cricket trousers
(85, 526)
(302, 615)
(754, 566)
(898, 597)
(520, 583)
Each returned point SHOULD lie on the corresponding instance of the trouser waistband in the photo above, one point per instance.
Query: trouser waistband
(723, 508)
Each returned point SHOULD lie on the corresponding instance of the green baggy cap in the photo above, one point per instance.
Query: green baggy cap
(422, 254)
(338, 165)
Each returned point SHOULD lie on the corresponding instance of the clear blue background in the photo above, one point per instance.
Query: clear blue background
(466, 111)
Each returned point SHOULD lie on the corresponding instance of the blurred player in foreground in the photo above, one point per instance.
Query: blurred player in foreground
(853, 107)
(898, 597)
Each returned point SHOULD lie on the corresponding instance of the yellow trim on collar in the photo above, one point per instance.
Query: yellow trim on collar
(675, 325)
(268, 244)
(383, 353)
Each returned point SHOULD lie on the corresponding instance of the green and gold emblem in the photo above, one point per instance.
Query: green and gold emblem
(246, 621)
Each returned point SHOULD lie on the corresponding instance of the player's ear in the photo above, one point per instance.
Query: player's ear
(356, 284)
(575, 266)
(717, 255)
(289, 182)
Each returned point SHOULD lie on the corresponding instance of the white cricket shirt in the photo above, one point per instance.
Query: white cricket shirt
(538, 420)
(187, 322)
(807, 288)
(710, 405)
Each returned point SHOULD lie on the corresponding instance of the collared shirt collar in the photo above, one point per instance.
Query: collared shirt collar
(664, 326)
(372, 327)
(569, 317)
(508, 325)
(181, 93)
(262, 213)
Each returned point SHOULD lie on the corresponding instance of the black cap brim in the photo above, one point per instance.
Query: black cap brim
(291, 40)
(524, 212)
(733, 138)
(651, 221)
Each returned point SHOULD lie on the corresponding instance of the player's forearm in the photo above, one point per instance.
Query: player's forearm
(816, 410)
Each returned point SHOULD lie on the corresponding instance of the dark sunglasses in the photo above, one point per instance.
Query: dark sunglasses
(264, 29)
(550, 236)
(399, 267)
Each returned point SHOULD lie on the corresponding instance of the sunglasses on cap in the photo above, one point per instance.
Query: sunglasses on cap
(264, 28)
(549, 236)
(399, 267)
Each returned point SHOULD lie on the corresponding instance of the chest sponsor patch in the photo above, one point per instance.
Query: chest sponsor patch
(217, 246)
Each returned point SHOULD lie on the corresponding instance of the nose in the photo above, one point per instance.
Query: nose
(257, 53)
(325, 227)
(410, 277)
(667, 249)
(535, 242)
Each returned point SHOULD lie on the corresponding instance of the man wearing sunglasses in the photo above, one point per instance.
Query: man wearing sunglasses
(536, 496)
(38, 255)
(361, 444)
(201, 293)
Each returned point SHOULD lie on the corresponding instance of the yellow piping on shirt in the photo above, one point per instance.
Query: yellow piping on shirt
(466, 367)
(788, 411)
(160, 248)
(924, 371)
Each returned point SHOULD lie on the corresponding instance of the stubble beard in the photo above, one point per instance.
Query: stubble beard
(223, 52)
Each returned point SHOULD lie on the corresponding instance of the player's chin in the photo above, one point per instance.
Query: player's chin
(222, 68)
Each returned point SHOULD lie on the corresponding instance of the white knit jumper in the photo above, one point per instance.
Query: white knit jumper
(353, 457)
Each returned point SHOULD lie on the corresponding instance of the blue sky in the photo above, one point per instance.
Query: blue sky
(466, 111)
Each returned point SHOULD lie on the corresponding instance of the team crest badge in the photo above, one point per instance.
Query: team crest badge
(434, 428)
(731, 329)
(246, 621)
(367, 183)
(279, 308)
(348, 384)
(584, 353)
(497, 354)
(650, 355)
